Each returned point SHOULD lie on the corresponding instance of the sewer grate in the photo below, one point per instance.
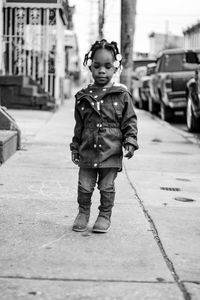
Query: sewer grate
(173, 189)
(157, 140)
(183, 199)
(183, 179)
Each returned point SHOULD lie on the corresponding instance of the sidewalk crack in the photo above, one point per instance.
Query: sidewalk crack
(40, 278)
(154, 230)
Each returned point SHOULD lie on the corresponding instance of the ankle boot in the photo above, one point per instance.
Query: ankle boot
(82, 219)
(103, 221)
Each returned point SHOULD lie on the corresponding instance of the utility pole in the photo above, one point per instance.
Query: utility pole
(128, 13)
(166, 42)
(101, 18)
(93, 21)
(1, 36)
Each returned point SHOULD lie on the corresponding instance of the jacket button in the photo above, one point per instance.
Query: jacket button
(95, 165)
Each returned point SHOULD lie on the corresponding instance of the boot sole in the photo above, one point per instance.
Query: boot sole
(79, 230)
(100, 230)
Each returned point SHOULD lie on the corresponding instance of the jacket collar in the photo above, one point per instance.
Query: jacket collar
(112, 90)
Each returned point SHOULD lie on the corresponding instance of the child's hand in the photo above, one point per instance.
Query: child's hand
(129, 150)
(75, 158)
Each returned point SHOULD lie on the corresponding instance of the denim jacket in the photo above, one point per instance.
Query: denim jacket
(105, 122)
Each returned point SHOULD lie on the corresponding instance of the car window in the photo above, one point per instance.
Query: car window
(173, 63)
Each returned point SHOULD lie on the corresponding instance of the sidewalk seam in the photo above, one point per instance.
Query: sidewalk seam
(154, 230)
(84, 280)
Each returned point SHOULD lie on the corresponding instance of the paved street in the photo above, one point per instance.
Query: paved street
(150, 253)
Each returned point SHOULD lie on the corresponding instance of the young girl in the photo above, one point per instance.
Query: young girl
(105, 122)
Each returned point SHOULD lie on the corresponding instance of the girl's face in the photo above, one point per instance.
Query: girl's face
(102, 67)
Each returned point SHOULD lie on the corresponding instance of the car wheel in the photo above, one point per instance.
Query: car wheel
(166, 113)
(193, 123)
(151, 105)
(140, 105)
(141, 102)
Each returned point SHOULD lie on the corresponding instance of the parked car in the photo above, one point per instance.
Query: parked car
(142, 62)
(140, 85)
(136, 85)
(167, 86)
(193, 95)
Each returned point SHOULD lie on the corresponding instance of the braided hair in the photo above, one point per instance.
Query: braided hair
(103, 44)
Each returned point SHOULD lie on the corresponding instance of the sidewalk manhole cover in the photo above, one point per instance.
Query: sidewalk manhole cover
(183, 199)
(173, 189)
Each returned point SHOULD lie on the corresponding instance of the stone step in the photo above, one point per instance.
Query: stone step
(23, 92)
(8, 144)
(29, 90)
(7, 80)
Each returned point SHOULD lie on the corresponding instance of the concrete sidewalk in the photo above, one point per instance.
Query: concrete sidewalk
(152, 249)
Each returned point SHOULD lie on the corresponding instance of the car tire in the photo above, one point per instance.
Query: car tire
(151, 105)
(166, 113)
(143, 104)
(141, 101)
(193, 123)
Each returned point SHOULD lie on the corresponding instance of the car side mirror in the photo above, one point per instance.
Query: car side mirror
(191, 57)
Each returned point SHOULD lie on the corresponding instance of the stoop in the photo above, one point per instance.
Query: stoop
(10, 135)
(8, 144)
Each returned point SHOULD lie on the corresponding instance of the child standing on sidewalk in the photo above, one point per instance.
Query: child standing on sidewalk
(105, 122)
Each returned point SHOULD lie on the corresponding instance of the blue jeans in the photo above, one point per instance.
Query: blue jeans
(104, 177)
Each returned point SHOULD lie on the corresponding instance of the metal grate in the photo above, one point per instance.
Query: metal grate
(171, 189)
(183, 199)
(183, 179)
(156, 140)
